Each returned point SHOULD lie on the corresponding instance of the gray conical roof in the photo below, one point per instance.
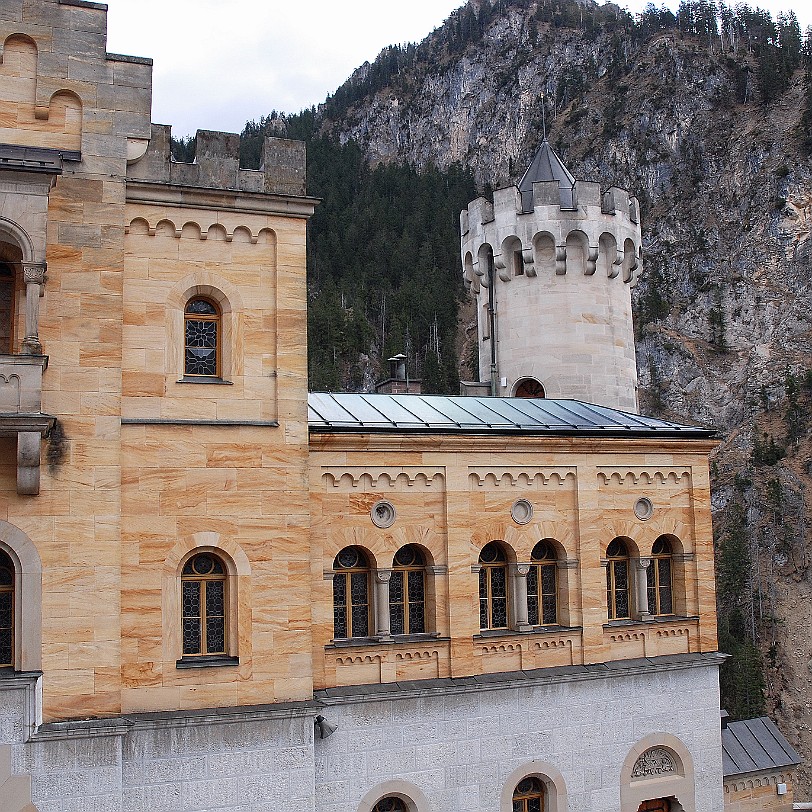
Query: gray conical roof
(546, 166)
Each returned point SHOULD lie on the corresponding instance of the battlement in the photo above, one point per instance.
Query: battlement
(217, 164)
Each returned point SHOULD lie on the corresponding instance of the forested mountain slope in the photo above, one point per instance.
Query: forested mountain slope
(707, 117)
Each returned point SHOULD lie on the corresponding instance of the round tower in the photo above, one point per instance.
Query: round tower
(551, 264)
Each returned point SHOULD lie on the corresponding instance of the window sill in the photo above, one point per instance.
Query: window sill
(395, 639)
(613, 624)
(207, 661)
(204, 379)
(485, 633)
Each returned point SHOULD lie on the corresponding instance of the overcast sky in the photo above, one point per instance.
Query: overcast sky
(218, 64)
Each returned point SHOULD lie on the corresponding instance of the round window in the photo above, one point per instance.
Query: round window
(383, 514)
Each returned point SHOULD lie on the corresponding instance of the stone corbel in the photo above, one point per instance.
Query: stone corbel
(592, 260)
(617, 264)
(529, 262)
(560, 260)
(28, 462)
(34, 279)
(501, 267)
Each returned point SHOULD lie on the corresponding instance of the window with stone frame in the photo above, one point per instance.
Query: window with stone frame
(529, 795)
(542, 586)
(493, 587)
(617, 581)
(8, 296)
(204, 585)
(390, 804)
(407, 591)
(7, 582)
(351, 576)
(659, 577)
(202, 338)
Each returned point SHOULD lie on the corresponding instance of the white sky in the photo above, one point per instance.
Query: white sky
(219, 64)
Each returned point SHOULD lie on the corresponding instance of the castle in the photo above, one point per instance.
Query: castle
(218, 591)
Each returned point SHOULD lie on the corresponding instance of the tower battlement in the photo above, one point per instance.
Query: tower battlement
(561, 256)
(217, 164)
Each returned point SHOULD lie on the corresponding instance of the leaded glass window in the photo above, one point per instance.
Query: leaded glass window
(6, 610)
(407, 592)
(390, 805)
(203, 598)
(529, 796)
(658, 576)
(493, 594)
(617, 581)
(7, 300)
(351, 594)
(542, 586)
(202, 325)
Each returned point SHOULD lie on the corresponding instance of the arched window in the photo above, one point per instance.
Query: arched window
(203, 337)
(658, 576)
(493, 587)
(7, 300)
(351, 594)
(390, 804)
(542, 586)
(529, 388)
(617, 581)
(660, 805)
(203, 598)
(6, 611)
(407, 592)
(529, 796)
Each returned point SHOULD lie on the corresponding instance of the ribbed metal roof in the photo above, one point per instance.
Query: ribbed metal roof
(754, 745)
(481, 415)
(546, 166)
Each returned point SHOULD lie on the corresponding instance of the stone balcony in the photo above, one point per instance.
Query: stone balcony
(21, 414)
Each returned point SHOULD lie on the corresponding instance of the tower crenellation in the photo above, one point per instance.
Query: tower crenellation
(551, 263)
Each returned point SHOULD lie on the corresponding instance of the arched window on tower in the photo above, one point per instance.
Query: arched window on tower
(390, 804)
(6, 611)
(529, 388)
(493, 596)
(617, 581)
(204, 601)
(7, 302)
(529, 796)
(203, 338)
(407, 592)
(542, 586)
(659, 579)
(351, 594)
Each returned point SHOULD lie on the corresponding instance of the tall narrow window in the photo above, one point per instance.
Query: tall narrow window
(202, 329)
(407, 592)
(529, 796)
(351, 594)
(203, 584)
(542, 582)
(493, 587)
(6, 610)
(617, 581)
(390, 805)
(658, 576)
(7, 297)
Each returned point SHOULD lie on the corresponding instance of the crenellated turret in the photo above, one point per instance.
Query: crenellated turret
(563, 256)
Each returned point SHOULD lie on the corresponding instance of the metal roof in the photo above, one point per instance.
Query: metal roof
(755, 745)
(546, 166)
(438, 414)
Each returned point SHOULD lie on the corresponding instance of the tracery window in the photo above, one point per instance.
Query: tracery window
(351, 594)
(203, 596)
(542, 586)
(6, 610)
(529, 796)
(390, 805)
(202, 330)
(659, 578)
(617, 581)
(7, 299)
(407, 592)
(493, 595)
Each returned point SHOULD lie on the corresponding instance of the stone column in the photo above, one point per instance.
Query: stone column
(34, 278)
(382, 623)
(639, 567)
(520, 591)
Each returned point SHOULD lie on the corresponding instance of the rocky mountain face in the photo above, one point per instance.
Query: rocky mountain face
(724, 309)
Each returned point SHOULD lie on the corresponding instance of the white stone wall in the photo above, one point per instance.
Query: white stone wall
(459, 748)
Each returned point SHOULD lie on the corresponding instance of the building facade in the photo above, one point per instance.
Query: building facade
(220, 592)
